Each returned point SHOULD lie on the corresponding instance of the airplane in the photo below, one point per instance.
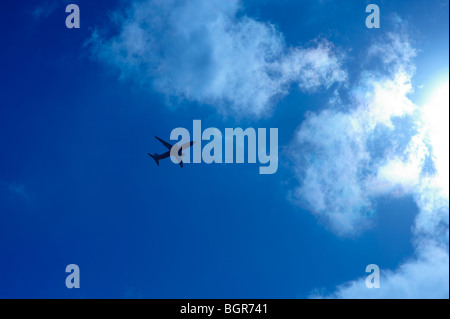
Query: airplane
(177, 151)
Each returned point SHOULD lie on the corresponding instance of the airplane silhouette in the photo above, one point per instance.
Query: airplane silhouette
(175, 150)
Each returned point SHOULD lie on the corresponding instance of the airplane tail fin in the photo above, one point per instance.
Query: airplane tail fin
(155, 158)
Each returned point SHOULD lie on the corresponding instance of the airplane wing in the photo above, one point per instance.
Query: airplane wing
(169, 146)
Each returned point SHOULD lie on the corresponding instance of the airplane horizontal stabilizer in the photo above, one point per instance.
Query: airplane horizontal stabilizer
(155, 158)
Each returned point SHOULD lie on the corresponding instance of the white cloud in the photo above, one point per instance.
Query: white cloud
(382, 145)
(206, 51)
(424, 277)
(333, 159)
(337, 172)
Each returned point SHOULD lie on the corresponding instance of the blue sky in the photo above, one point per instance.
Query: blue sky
(363, 149)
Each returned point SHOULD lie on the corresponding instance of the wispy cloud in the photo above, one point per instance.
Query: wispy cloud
(44, 9)
(334, 150)
(383, 144)
(206, 51)
(14, 189)
(425, 276)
